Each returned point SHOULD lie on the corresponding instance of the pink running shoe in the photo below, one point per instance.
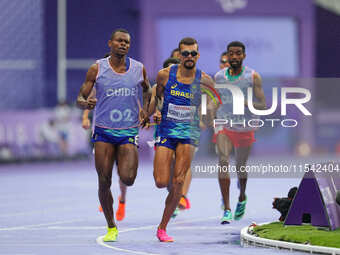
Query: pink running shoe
(163, 237)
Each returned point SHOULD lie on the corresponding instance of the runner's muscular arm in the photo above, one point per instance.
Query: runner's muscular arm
(143, 113)
(146, 91)
(207, 80)
(258, 93)
(83, 100)
(152, 105)
(86, 123)
(161, 80)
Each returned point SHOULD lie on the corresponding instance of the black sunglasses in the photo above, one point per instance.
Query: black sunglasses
(187, 53)
(223, 61)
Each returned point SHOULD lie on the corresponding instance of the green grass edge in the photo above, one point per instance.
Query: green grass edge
(304, 234)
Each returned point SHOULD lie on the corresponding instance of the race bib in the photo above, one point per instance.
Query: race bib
(181, 112)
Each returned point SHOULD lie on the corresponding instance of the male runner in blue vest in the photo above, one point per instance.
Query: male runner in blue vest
(121, 84)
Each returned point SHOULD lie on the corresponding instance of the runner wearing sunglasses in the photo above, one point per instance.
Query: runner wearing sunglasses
(179, 128)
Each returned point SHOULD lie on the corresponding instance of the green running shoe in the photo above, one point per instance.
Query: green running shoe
(240, 209)
(227, 217)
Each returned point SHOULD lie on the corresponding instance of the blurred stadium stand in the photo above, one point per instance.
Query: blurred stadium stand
(305, 44)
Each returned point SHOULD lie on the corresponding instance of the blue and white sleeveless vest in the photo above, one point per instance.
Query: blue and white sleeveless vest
(243, 81)
(119, 95)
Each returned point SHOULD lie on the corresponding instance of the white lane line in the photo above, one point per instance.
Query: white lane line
(205, 228)
(132, 229)
(19, 254)
(38, 225)
(171, 224)
(61, 208)
(77, 228)
(73, 244)
(9, 204)
(100, 241)
(127, 229)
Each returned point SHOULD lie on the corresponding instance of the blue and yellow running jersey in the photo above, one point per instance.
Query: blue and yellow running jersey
(180, 118)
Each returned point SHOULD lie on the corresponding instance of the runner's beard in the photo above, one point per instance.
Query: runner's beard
(189, 66)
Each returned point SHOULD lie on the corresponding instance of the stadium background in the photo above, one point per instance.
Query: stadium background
(47, 46)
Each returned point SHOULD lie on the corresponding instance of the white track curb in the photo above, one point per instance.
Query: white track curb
(247, 239)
